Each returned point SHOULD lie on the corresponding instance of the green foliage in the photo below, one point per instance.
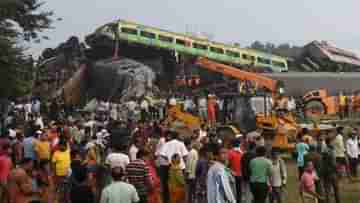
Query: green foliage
(20, 21)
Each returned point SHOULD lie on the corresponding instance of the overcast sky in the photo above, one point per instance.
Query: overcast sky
(278, 21)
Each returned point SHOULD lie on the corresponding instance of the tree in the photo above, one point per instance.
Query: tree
(20, 21)
(258, 46)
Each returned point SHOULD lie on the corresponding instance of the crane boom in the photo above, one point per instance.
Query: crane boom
(236, 73)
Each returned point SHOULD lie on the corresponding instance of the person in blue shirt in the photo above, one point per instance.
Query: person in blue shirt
(301, 149)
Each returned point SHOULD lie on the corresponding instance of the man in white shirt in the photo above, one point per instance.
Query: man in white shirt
(203, 108)
(27, 109)
(114, 112)
(352, 149)
(339, 150)
(144, 106)
(191, 161)
(39, 122)
(202, 132)
(134, 150)
(174, 146)
(172, 101)
(117, 159)
(291, 104)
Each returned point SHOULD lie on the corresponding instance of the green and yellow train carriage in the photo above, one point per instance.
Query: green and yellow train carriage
(183, 43)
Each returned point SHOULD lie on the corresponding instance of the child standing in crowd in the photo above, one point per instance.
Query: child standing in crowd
(307, 185)
(176, 181)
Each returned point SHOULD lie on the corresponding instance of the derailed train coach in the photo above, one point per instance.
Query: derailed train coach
(297, 84)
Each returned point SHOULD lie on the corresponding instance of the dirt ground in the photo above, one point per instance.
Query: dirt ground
(349, 192)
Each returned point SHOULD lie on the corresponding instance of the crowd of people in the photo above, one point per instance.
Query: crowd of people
(91, 158)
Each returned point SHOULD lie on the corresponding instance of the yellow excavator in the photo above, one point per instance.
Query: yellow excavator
(280, 123)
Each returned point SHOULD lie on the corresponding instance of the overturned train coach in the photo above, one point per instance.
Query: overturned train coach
(297, 84)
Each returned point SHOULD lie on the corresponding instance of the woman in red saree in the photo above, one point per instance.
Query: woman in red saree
(155, 193)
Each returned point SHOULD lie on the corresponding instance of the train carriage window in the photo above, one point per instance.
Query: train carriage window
(248, 57)
(147, 34)
(217, 50)
(180, 42)
(279, 64)
(200, 46)
(129, 30)
(165, 38)
(263, 60)
(233, 53)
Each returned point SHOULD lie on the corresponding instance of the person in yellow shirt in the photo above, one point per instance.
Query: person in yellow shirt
(342, 105)
(61, 160)
(42, 148)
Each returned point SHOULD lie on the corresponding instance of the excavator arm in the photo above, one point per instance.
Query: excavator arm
(261, 81)
(284, 126)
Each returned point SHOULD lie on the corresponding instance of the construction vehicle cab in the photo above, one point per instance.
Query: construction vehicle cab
(319, 102)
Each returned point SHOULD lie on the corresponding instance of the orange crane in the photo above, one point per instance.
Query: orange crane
(283, 125)
(261, 81)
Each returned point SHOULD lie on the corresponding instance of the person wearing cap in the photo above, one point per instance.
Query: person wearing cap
(119, 191)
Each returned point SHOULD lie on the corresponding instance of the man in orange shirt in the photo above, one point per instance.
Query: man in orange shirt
(211, 110)
(234, 157)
